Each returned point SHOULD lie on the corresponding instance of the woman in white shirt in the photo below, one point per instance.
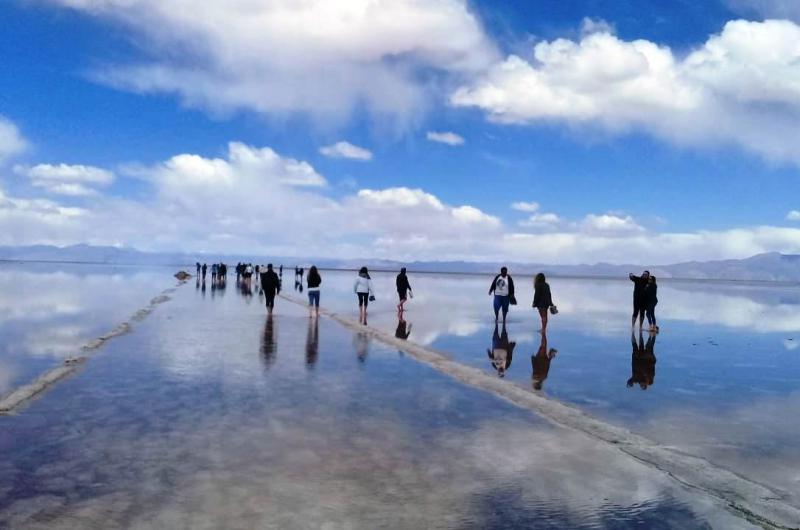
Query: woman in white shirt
(363, 289)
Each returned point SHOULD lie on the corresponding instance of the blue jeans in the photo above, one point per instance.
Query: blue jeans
(501, 302)
(313, 298)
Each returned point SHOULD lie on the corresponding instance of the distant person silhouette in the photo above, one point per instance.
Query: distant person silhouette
(214, 270)
(268, 348)
(503, 289)
(639, 301)
(271, 285)
(403, 289)
(280, 269)
(403, 330)
(363, 289)
(542, 299)
(312, 343)
(502, 351)
(540, 363)
(198, 268)
(643, 361)
(204, 268)
(314, 281)
(650, 302)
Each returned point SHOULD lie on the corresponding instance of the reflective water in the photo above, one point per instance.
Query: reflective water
(48, 311)
(721, 379)
(211, 415)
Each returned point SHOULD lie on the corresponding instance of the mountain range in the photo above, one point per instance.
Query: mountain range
(771, 266)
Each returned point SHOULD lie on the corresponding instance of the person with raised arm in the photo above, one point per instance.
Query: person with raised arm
(639, 303)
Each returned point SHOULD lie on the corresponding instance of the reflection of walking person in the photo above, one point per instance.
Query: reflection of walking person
(271, 285)
(403, 330)
(540, 363)
(314, 280)
(363, 289)
(650, 302)
(501, 351)
(312, 342)
(403, 289)
(643, 361)
(542, 299)
(503, 289)
(639, 284)
(268, 347)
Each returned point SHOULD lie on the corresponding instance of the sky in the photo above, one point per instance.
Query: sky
(547, 131)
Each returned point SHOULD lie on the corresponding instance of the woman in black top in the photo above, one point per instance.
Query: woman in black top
(542, 299)
(403, 288)
(650, 301)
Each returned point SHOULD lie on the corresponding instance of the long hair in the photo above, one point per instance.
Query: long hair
(539, 279)
(312, 272)
(364, 272)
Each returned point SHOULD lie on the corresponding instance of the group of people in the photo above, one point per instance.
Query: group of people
(502, 288)
(219, 272)
(645, 299)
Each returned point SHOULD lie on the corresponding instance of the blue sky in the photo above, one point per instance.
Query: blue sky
(643, 130)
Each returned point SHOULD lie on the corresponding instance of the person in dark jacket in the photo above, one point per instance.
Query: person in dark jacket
(503, 289)
(271, 285)
(403, 289)
(314, 280)
(639, 284)
(650, 302)
(204, 268)
(542, 299)
(502, 351)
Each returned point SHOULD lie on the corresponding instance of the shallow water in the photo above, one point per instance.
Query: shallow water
(720, 380)
(49, 311)
(211, 415)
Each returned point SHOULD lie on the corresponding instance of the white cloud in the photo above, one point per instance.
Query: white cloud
(11, 140)
(346, 150)
(793, 215)
(610, 224)
(63, 179)
(740, 87)
(541, 220)
(275, 57)
(525, 206)
(789, 9)
(449, 138)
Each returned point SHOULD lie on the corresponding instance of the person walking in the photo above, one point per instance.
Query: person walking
(204, 268)
(214, 270)
(314, 280)
(363, 289)
(650, 302)
(503, 289)
(639, 284)
(198, 268)
(403, 289)
(542, 299)
(271, 285)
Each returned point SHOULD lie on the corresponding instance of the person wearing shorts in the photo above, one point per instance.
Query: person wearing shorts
(503, 289)
(271, 285)
(313, 279)
(363, 289)
(403, 289)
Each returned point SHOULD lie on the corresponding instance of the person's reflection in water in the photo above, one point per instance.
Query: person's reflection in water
(203, 289)
(643, 361)
(540, 362)
(312, 343)
(361, 344)
(501, 351)
(269, 349)
(403, 330)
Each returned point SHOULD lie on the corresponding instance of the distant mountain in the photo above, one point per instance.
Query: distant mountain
(772, 266)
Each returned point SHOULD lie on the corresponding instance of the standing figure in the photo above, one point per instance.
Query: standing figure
(650, 302)
(363, 289)
(403, 289)
(271, 285)
(503, 289)
(214, 271)
(639, 303)
(542, 299)
(314, 280)
(204, 268)
(198, 268)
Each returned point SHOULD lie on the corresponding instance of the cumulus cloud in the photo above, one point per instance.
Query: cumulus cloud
(346, 150)
(317, 57)
(611, 224)
(793, 215)
(541, 220)
(63, 179)
(449, 138)
(789, 9)
(11, 140)
(740, 87)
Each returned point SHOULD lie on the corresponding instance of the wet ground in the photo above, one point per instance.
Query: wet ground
(210, 415)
